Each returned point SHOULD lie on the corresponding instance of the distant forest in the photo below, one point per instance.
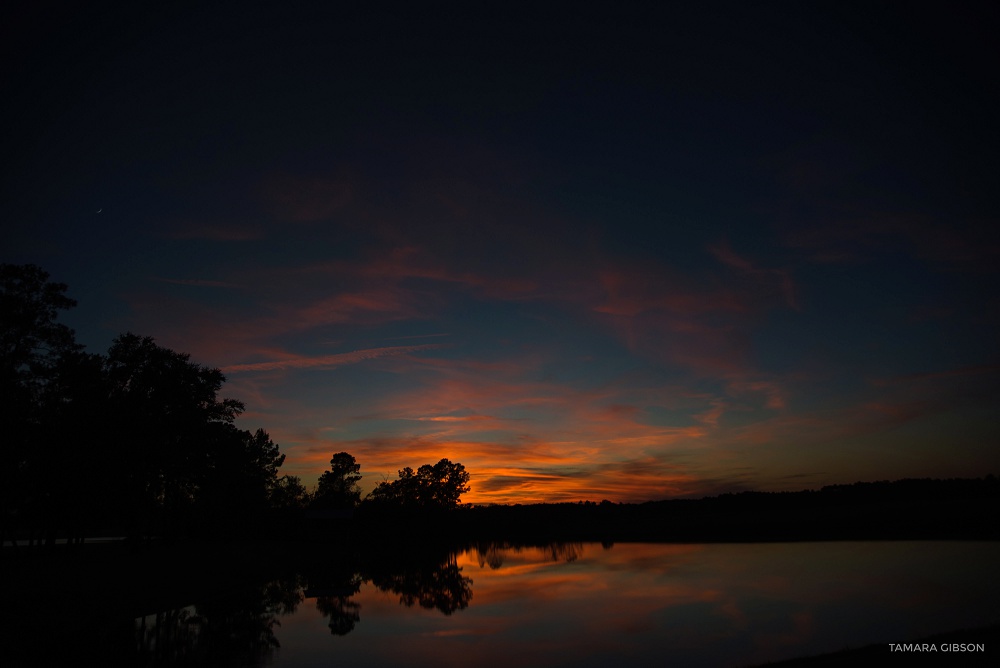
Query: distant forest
(137, 443)
(901, 509)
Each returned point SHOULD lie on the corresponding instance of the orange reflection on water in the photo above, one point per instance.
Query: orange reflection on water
(655, 604)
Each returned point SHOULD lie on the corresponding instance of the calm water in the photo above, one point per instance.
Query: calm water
(637, 604)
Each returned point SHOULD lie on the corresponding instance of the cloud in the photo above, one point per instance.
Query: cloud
(768, 280)
(702, 323)
(522, 473)
(634, 291)
(408, 264)
(775, 397)
(415, 336)
(526, 440)
(370, 305)
(328, 361)
(454, 418)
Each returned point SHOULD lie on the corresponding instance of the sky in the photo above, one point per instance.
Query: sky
(588, 250)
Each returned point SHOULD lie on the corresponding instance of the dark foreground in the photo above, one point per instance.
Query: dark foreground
(69, 606)
(975, 647)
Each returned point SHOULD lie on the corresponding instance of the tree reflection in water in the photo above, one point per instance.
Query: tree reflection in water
(229, 631)
(441, 587)
(342, 611)
(432, 580)
(240, 630)
(333, 599)
(495, 553)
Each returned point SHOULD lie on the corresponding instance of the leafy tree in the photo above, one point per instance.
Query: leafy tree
(181, 461)
(240, 475)
(31, 341)
(437, 486)
(338, 487)
(289, 493)
(443, 484)
(35, 353)
(168, 443)
(71, 482)
(166, 427)
(260, 458)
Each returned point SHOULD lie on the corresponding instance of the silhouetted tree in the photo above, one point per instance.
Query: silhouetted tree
(71, 480)
(165, 442)
(289, 493)
(163, 415)
(31, 341)
(239, 477)
(338, 487)
(437, 486)
(34, 353)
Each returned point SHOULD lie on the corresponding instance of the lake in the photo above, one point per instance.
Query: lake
(588, 604)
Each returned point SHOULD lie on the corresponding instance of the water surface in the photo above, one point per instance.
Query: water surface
(633, 604)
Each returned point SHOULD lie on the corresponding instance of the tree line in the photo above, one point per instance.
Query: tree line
(430, 487)
(138, 442)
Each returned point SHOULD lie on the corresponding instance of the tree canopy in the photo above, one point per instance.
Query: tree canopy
(168, 431)
(338, 487)
(40, 366)
(31, 341)
(289, 494)
(162, 445)
(437, 486)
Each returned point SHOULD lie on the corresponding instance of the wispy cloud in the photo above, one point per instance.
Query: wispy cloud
(329, 361)
(768, 279)
(415, 336)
